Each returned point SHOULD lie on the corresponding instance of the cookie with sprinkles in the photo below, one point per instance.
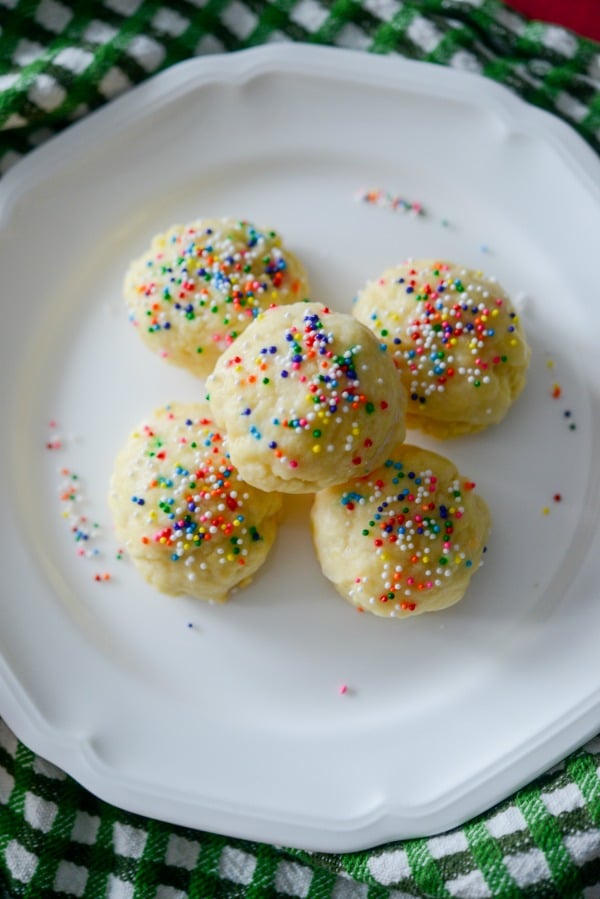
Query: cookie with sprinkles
(200, 285)
(188, 522)
(307, 397)
(456, 339)
(404, 540)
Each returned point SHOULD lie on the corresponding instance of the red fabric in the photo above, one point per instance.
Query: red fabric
(582, 16)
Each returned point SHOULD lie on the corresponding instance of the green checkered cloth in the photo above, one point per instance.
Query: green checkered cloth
(59, 60)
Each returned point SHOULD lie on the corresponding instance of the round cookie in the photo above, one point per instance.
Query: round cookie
(308, 397)
(456, 339)
(188, 522)
(199, 285)
(404, 540)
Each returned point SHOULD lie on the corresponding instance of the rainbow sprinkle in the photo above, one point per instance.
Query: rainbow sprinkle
(396, 509)
(386, 200)
(452, 332)
(334, 390)
(186, 494)
(209, 282)
(85, 531)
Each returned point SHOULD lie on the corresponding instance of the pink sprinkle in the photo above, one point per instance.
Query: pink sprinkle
(343, 689)
(293, 464)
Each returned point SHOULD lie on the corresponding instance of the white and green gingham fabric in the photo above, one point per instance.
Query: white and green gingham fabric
(58, 61)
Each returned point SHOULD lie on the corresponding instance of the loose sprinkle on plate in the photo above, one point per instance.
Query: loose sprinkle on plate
(386, 200)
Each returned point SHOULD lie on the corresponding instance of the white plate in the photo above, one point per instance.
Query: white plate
(236, 724)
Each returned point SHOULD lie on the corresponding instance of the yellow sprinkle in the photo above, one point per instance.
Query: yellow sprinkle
(316, 448)
(550, 363)
(545, 511)
(163, 540)
(495, 312)
(355, 431)
(236, 523)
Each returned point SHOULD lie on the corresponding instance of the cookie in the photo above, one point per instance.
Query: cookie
(406, 539)
(187, 521)
(308, 397)
(456, 339)
(200, 285)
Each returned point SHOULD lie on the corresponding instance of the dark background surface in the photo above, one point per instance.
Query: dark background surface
(582, 16)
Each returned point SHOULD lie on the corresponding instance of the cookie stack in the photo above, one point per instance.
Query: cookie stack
(306, 399)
